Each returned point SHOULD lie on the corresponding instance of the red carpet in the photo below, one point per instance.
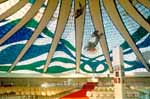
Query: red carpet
(81, 94)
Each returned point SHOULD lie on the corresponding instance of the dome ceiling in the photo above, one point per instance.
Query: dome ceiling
(57, 36)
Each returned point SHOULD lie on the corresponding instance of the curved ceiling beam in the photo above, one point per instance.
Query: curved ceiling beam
(33, 10)
(146, 3)
(48, 13)
(112, 11)
(97, 19)
(79, 27)
(1, 1)
(134, 14)
(13, 9)
(64, 12)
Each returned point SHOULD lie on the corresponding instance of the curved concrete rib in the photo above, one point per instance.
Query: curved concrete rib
(79, 27)
(1, 1)
(33, 10)
(52, 4)
(146, 3)
(64, 12)
(97, 19)
(13, 9)
(134, 14)
(112, 11)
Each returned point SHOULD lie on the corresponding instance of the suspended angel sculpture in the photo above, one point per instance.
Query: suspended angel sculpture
(92, 43)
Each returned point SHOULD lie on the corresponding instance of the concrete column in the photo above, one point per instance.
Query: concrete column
(118, 73)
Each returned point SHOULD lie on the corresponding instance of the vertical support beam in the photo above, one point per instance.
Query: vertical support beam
(118, 73)
(79, 27)
(114, 15)
(134, 14)
(48, 13)
(64, 12)
(97, 20)
(30, 14)
(1, 1)
(13, 9)
(146, 3)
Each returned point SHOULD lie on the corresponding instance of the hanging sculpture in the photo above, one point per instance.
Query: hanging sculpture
(93, 41)
(79, 11)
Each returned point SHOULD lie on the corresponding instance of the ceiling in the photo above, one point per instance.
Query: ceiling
(51, 36)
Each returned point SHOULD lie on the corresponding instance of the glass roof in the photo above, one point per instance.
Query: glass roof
(64, 58)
